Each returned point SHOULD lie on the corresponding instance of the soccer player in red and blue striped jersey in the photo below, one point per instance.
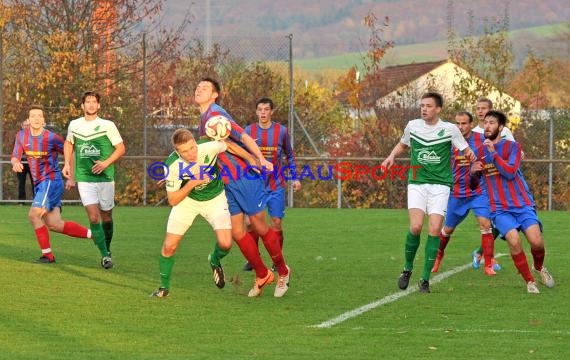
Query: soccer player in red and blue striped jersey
(462, 198)
(246, 194)
(512, 205)
(42, 148)
(275, 144)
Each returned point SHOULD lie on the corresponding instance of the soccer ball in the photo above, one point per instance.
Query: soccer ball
(218, 127)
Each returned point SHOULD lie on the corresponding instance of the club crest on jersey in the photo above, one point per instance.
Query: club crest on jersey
(441, 132)
(88, 150)
(427, 156)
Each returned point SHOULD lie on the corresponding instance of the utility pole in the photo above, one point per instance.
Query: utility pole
(208, 34)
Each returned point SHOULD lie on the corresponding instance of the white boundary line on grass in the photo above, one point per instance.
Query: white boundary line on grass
(390, 298)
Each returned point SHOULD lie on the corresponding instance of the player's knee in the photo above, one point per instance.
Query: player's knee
(238, 234)
(416, 229)
(276, 224)
(168, 250)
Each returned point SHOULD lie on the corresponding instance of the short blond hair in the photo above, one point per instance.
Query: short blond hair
(181, 136)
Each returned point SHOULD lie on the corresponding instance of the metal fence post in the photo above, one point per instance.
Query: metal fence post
(550, 157)
(338, 189)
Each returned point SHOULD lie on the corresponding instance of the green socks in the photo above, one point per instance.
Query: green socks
(217, 255)
(412, 244)
(432, 245)
(165, 265)
(108, 230)
(99, 238)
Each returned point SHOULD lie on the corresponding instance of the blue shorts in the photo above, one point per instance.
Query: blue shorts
(276, 203)
(48, 194)
(519, 219)
(246, 195)
(458, 208)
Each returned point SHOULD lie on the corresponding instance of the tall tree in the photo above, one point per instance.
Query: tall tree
(488, 56)
(69, 46)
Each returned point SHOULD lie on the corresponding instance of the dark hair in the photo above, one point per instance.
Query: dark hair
(500, 116)
(487, 100)
(90, 93)
(265, 100)
(435, 96)
(465, 113)
(181, 136)
(216, 85)
(36, 107)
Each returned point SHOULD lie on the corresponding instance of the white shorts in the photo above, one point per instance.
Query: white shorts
(215, 211)
(102, 193)
(430, 198)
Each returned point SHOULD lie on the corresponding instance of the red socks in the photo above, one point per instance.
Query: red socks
(271, 243)
(42, 234)
(250, 251)
(255, 236)
(443, 240)
(73, 229)
(488, 245)
(538, 258)
(522, 266)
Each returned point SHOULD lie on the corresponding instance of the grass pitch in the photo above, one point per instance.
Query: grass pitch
(341, 260)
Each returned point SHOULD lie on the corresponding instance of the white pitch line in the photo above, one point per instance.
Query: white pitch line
(390, 298)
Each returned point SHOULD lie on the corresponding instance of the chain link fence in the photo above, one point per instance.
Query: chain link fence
(328, 182)
(359, 182)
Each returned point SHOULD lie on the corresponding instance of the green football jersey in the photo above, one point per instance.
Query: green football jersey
(93, 140)
(178, 171)
(430, 151)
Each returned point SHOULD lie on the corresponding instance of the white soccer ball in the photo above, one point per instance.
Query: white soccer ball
(218, 127)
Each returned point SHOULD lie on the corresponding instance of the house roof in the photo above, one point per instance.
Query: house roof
(394, 77)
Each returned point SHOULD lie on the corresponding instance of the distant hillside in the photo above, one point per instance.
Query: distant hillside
(328, 27)
(542, 39)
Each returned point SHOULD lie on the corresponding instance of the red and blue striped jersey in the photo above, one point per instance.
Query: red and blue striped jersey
(462, 168)
(42, 152)
(232, 167)
(275, 145)
(506, 186)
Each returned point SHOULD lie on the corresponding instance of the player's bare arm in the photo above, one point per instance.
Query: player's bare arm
(17, 166)
(67, 157)
(398, 149)
(241, 152)
(100, 166)
(490, 145)
(470, 154)
(251, 145)
(175, 197)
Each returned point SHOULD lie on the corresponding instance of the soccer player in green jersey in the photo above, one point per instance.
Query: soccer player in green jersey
(429, 181)
(193, 187)
(96, 144)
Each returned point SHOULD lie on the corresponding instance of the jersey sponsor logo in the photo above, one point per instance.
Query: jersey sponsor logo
(36, 154)
(426, 156)
(88, 150)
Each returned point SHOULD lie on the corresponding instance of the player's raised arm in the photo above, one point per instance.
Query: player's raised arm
(242, 153)
(254, 149)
